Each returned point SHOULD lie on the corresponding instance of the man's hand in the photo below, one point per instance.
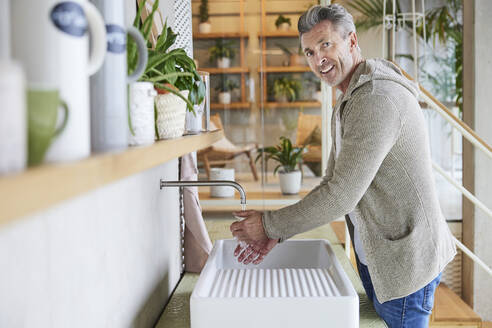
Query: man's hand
(249, 230)
(256, 252)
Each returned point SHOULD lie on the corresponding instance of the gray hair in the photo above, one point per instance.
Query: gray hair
(341, 19)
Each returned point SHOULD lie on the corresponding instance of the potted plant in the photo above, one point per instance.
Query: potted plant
(222, 52)
(316, 83)
(283, 23)
(172, 73)
(225, 89)
(204, 26)
(286, 90)
(288, 157)
(295, 59)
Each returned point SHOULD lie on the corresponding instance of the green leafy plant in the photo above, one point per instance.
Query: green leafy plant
(371, 12)
(282, 19)
(284, 153)
(203, 11)
(227, 85)
(222, 49)
(170, 70)
(442, 23)
(286, 87)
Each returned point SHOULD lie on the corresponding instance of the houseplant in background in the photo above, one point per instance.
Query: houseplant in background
(288, 157)
(286, 89)
(283, 23)
(225, 88)
(174, 76)
(222, 52)
(204, 26)
(295, 58)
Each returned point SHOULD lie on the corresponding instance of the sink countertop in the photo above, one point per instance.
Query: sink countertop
(177, 312)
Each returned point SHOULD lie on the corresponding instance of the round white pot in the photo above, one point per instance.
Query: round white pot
(142, 96)
(317, 95)
(204, 27)
(281, 99)
(221, 174)
(171, 115)
(224, 97)
(223, 62)
(284, 27)
(290, 183)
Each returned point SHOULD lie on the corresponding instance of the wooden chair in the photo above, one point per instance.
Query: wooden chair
(224, 151)
(306, 124)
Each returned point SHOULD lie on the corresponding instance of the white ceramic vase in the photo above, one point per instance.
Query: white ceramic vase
(284, 27)
(204, 27)
(224, 97)
(142, 96)
(221, 174)
(290, 183)
(223, 62)
(171, 115)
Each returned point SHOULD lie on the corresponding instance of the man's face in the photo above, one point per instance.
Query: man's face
(329, 54)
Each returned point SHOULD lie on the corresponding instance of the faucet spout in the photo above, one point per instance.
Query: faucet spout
(229, 183)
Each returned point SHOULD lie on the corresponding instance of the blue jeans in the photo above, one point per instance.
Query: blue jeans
(412, 311)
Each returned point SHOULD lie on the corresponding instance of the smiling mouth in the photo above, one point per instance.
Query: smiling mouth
(327, 70)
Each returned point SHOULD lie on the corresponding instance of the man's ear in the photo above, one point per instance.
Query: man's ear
(353, 40)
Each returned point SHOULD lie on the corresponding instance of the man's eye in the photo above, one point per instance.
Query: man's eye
(326, 44)
(309, 53)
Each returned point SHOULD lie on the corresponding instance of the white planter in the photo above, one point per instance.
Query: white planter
(221, 174)
(290, 183)
(317, 95)
(142, 96)
(223, 62)
(171, 115)
(281, 99)
(224, 97)
(205, 27)
(284, 27)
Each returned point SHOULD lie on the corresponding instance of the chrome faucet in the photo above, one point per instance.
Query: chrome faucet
(207, 183)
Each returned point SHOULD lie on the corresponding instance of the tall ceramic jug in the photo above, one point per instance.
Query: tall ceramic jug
(51, 38)
(109, 90)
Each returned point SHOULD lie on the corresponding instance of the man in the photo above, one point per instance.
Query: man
(379, 175)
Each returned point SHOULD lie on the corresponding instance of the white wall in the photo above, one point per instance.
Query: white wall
(108, 258)
(483, 165)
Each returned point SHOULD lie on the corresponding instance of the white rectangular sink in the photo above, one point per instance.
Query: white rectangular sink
(299, 284)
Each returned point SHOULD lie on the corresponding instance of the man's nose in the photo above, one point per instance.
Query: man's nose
(321, 60)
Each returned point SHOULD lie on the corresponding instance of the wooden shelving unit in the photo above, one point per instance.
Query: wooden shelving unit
(279, 34)
(230, 70)
(220, 35)
(265, 69)
(242, 35)
(234, 105)
(40, 187)
(293, 104)
(285, 69)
